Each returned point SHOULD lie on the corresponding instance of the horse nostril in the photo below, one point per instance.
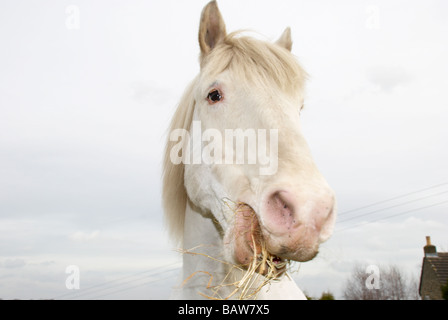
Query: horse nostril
(285, 211)
(279, 209)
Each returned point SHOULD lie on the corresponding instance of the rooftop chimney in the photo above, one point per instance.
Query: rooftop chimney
(430, 250)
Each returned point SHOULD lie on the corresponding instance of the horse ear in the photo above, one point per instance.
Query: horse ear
(285, 39)
(211, 29)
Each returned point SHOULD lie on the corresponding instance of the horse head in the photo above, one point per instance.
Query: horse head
(242, 141)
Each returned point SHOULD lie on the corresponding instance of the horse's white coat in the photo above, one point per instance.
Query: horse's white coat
(262, 88)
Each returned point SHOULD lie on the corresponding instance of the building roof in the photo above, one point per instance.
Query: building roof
(434, 272)
(439, 264)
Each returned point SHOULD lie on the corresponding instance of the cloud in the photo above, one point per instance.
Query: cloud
(84, 236)
(148, 92)
(387, 78)
(13, 263)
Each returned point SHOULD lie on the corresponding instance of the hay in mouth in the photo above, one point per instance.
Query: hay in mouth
(266, 262)
(262, 269)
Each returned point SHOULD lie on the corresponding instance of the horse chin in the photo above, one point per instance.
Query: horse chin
(302, 254)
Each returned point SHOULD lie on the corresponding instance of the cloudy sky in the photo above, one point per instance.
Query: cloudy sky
(87, 89)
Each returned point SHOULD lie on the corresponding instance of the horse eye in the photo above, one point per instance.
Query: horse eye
(214, 96)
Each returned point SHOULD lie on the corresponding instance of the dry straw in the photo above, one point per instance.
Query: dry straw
(261, 271)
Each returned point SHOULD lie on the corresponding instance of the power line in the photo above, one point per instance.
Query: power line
(122, 283)
(118, 284)
(392, 216)
(391, 199)
(130, 288)
(127, 282)
(97, 287)
(390, 207)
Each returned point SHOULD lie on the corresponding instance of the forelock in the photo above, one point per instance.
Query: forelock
(259, 63)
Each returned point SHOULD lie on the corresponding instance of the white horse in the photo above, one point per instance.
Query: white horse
(241, 210)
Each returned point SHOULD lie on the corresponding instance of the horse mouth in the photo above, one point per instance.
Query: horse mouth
(251, 249)
(271, 264)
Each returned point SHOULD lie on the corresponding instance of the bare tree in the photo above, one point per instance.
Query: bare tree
(413, 286)
(356, 288)
(387, 283)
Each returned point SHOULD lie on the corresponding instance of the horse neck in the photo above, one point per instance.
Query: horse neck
(203, 258)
